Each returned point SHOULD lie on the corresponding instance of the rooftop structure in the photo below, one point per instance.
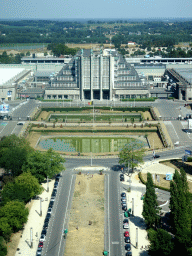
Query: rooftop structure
(97, 75)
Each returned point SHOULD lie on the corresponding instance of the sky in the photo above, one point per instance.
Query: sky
(97, 9)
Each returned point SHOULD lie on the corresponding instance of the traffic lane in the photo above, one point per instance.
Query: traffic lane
(24, 110)
(55, 243)
(115, 211)
(72, 163)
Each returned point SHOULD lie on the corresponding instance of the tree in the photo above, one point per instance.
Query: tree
(150, 205)
(28, 53)
(44, 164)
(132, 154)
(23, 189)
(181, 211)
(5, 229)
(3, 247)
(16, 214)
(13, 154)
(161, 242)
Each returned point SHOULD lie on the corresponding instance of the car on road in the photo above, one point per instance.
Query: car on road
(52, 199)
(123, 194)
(123, 198)
(49, 210)
(45, 226)
(48, 216)
(124, 201)
(128, 254)
(156, 156)
(125, 221)
(128, 247)
(124, 208)
(44, 232)
(42, 238)
(125, 225)
(51, 203)
(126, 233)
(39, 251)
(40, 244)
(127, 239)
(122, 179)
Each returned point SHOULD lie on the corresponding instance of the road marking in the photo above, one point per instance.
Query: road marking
(65, 214)
(108, 216)
(116, 242)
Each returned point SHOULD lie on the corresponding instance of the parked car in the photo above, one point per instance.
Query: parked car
(127, 239)
(48, 216)
(52, 199)
(124, 201)
(45, 226)
(125, 225)
(128, 254)
(39, 251)
(44, 232)
(122, 179)
(125, 221)
(49, 210)
(123, 198)
(126, 233)
(51, 203)
(40, 244)
(42, 238)
(123, 194)
(124, 208)
(128, 247)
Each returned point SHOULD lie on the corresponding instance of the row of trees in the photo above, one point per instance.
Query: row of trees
(10, 59)
(163, 242)
(25, 170)
(61, 49)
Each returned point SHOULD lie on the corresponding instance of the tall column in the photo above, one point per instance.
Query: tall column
(110, 76)
(101, 76)
(91, 74)
(81, 77)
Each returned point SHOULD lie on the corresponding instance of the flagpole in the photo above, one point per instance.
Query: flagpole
(93, 113)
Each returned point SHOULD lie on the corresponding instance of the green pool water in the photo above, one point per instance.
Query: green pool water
(87, 145)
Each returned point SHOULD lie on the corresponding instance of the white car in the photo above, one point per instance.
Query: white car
(125, 225)
(42, 238)
(52, 199)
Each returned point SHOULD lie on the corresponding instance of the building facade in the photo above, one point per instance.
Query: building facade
(96, 76)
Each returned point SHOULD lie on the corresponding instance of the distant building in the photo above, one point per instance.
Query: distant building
(97, 75)
(130, 43)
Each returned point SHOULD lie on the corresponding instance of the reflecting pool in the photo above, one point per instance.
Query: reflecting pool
(88, 144)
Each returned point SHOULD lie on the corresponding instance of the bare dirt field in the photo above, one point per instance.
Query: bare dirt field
(84, 239)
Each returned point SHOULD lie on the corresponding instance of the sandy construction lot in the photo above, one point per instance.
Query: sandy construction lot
(87, 206)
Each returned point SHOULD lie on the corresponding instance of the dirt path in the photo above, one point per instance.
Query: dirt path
(88, 205)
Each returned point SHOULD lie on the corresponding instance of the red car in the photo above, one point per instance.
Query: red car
(40, 244)
(126, 234)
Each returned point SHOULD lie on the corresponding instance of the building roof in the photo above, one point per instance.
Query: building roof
(7, 74)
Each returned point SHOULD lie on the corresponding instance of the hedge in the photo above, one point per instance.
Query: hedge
(89, 131)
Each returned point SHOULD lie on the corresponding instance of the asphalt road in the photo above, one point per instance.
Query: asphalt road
(54, 244)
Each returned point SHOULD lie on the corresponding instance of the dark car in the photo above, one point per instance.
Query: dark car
(156, 156)
(44, 232)
(45, 226)
(122, 179)
(124, 208)
(51, 204)
(128, 247)
(48, 216)
(56, 183)
(123, 194)
(127, 239)
(125, 221)
(128, 254)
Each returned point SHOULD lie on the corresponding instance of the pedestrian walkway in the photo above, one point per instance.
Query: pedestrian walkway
(35, 224)
(136, 221)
